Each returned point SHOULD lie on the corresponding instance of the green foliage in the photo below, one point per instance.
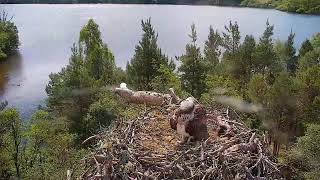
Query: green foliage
(310, 59)
(165, 80)
(102, 112)
(282, 104)
(98, 59)
(10, 143)
(291, 59)
(91, 66)
(148, 58)
(192, 69)
(220, 85)
(300, 6)
(258, 89)
(212, 49)
(280, 50)
(315, 40)
(309, 93)
(258, 3)
(264, 55)
(49, 151)
(304, 156)
(240, 64)
(279, 116)
(231, 38)
(306, 46)
(9, 40)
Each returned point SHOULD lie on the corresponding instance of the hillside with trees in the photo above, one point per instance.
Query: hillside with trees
(270, 85)
(298, 6)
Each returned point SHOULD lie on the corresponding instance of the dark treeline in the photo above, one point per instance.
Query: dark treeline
(272, 86)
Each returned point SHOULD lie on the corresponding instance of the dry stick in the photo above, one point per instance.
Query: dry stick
(202, 154)
(260, 157)
(90, 138)
(175, 161)
(69, 174)
(98, 168)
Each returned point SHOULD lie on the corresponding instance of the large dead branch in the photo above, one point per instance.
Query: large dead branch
(147, 97)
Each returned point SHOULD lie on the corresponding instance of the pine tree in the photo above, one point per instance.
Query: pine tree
(291, 59)
(306, 46)
(212, 49)
(264, 56)
(231, 38)
(97, 56)
(192, 69)
(147, 59)
(240, 65)
(281, 118)
(74, 89)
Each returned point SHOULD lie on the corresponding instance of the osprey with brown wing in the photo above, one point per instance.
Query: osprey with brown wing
(188, 120)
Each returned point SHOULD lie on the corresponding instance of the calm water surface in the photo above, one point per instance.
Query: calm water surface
(48, 31)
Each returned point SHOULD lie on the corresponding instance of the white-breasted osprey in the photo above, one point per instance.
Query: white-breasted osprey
(188, 120)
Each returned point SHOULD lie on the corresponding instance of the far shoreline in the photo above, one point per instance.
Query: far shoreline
(179, 4)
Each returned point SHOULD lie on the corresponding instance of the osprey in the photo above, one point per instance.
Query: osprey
(189, 120)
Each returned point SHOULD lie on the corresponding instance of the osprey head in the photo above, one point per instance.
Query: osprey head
(191, 99)
(123, 86)
(188, 104)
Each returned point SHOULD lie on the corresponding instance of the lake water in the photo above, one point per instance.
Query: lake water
(48, 31)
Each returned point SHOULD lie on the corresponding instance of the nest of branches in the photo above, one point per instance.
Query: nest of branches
(147, 148)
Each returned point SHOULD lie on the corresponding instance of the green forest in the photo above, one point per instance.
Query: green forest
(9, 40)
(297, 6)
(272, 73)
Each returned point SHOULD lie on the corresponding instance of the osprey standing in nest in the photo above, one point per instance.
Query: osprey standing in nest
(188, 120)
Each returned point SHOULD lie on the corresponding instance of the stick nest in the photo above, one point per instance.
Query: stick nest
(147, 148)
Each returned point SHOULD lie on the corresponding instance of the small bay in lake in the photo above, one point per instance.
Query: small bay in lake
(47, 33)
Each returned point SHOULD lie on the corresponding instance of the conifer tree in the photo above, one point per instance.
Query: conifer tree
(97, 56)
(306, 46)
(192, 69)
(146, 61)
(74, 89)
(212, 49)
(231, 38)
(240, 65)
(291, 59)
(265, 56)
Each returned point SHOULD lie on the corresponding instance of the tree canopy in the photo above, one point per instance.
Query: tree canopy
(9, 39)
